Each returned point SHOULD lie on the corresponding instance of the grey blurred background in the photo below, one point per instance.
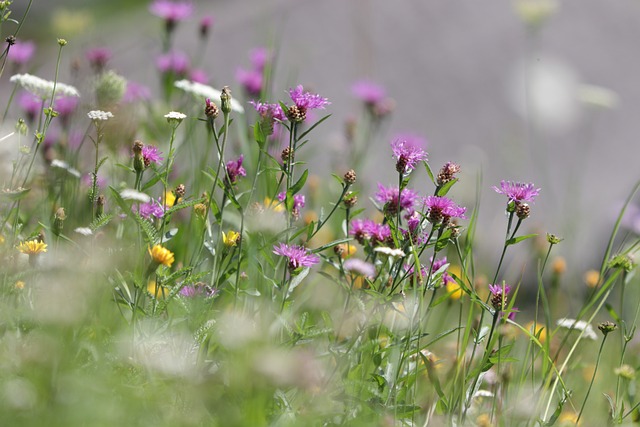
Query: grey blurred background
(553, 102)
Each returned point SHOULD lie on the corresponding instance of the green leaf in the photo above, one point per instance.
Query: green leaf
(429, 172)
(443, 241)
(14, 195)
(305, 133)
(612, 312)
(519, 239)
(295, 188)
(330, 245)
(442, 191)
(124, 206)
(259, 136)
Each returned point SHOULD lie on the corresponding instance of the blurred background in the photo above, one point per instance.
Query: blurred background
(535, 91)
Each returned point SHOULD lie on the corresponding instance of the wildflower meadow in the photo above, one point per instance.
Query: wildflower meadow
(168, 258)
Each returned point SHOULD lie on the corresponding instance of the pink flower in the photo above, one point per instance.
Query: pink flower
(368, 91)
(306, 100)
(407, 154)
(365, 230)
(149, 209)
(174, 62)
(388, 197)
(171, 11)
(298, 256)
(273, 110)
(298, 200)
(205, 24)
(360, 267)
(65, 105)
(235, 169)
(136, 92)
(251, 80)
(499, 295)
(443, 209)
(98, 57)
(21, 52)
(31, 105)
(517, 191)
(150, 154)
(259, 58)
(199, 76)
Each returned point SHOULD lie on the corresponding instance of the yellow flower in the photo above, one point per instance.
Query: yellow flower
(169, 198)
(155, 290)
(592, 278)
(539, 332)
(454, 290)
(269, 204)
(19, 284)
(32, 247)
(231, 238)
(568, 419)
(559, 265)
(1, 239)
(162, 255)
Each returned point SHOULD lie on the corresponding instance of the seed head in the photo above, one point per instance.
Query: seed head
(350, 177)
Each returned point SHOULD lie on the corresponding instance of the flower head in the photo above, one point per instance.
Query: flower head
(231, 238)
(499, 296)
(304, 101)
(407, 155)
(175, 118)
(360, 267)
(99, 115)
(517, 191)
(368, 91)
(365, 230)
(43, 88)
(150, 154)
(388, 197)
(442, 209)
(235, 169)
(21, 52)
(251, 80)
(98, 57)
(201, 91)
(259, 58)
(173, 62)
(136, 92)
(161, 255)
(151, 208)
(32, 247)
(269, 110)
(171, 11)
(298, 256)
(298, 200)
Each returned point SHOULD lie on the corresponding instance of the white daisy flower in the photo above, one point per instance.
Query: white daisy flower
(200, 90)
(43, 88)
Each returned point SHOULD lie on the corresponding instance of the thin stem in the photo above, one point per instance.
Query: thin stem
(593, 377)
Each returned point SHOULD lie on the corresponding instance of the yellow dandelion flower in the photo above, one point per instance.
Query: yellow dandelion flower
(19, 284)
(32, 247)
(454, 290)
(539, 332)
(1, 239)
(162, 255)
(592, 278)
(156, 291)
(169, 198)
(231, 238)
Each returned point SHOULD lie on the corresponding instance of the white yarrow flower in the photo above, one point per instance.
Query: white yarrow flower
(580, 325)
(96, 115)
(130, 194)
(389, 251)
(85, 231)
(175, 115)
(43, 88)
(200, 90)
(55, 163)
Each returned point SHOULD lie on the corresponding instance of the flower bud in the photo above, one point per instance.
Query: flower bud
(100, 202)
(350, 177)
(138, 159)
(58, 221)
(225, 100)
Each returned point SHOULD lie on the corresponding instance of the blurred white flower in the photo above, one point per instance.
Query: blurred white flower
(99, 115)
(43, 88)
(579, 325)
(200, 90)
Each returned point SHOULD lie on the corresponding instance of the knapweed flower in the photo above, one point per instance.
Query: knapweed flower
(201, 91)
(99, 115)
(365, 230)
(65, 106)
(251, 80)
(517, 192)
(388, 198)
(499, 296)
(199, 75)
(198, 289)
(259, 57)
(21, 52)
(304, 101)
(447, 173)
(269, 110)
(150, 154)
(368, 91)
(442, 209)
(205, 24)
(235, 170)
(32, 105)
(298, 200)
(161, 255)
(437, 265)
(173, 62)
(43, 88)
(149, 209)
(298, 256)
(231, 238)
(171, 11)
(98, 57)
(136, 92)
(407, 155)
(32, 247)
(360, 267)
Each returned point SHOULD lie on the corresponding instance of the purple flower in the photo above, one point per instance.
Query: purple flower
(259, 58)
(368, 230)
(499, 295)
(151, 208)
(196, 290)
(171, 11)
(251, 80)
(31, 105)
(173, 62)
(407, 154)
(235, 169)
(368, 91)
(298, 200)
(65, 105)
(136, 92)
(388, 197)
(21, 52)
(150, 154)
(265, 110)
(98, 57)
(306, 100)
(298, 256)
(517, 191)
(442, 209)
(205, 23)
(87, 179)
(437, 265)
(199, 76)
(360, 267)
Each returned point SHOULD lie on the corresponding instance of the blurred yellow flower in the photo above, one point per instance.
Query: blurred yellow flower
(170, 198)
(591, 278)
(19, 284)
(162, 255)
(539, 332)
(32, 247)
(70, 22)
(155, 290)
(274, 206)
(454, 290)
(559, 265)
(231, 238)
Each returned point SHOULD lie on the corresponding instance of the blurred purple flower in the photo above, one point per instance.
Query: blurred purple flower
(87, 179)
(65, 105)
(497, 289)
(199, 76)
(31, 105)
(407, 154)
(368, 91)
(196, 290)
(298, 256)
(21, 52)
(235, 169)
(306, 100)
(75, 140)
(172, 11)
(366, 229)
(259, 58)
(98, 57)
(251, 80)
(517, 191)
(360, 267)
(298, 200)
(205, 24)
(174, 62)
(151, 208)
(136, 92)
(388, 197)
(275, 110)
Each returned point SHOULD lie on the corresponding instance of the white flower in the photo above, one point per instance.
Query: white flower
(203, 91)
(99, 115)
(580, 325)
(389, 251)
(175, 115)
(85, 231)
(43, 88)
(130, 194)
(55, 163)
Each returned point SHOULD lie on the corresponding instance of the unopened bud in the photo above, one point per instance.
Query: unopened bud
(296, 114)
(58, 221)
(211, 110)
(225, 100)
(523, 210)
(138, 159)
(350, 200)
(179, 192)
(100, 202)
(350, 177)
